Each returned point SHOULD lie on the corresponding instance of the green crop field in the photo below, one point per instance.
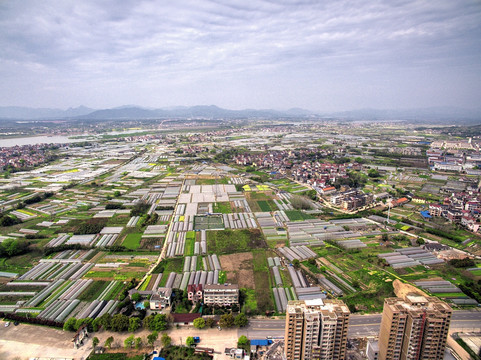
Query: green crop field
(264, 205)
(222, 207)
(132, 241)
(267, 205)
(450, 295)
(189, 243)
(263, 294)
(93, 291)
(295, 215)
(145, 283)
(230, 241)
(250, 304)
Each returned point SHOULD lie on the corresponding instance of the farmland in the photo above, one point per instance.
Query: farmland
(132, 241)
(231, 241)
(185, 208)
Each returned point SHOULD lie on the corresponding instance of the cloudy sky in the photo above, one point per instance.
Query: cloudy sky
(316, 54)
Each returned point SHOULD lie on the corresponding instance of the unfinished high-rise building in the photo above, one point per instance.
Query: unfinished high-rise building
(414, 328)
(316, 329)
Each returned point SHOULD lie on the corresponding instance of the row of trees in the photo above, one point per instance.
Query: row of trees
(154, 322)
(13, 247)
(225, 321)
(119, 323)
(136, 342)
(9, 220)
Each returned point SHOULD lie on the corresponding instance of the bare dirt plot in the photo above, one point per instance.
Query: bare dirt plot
(29, 341)
(239, 269)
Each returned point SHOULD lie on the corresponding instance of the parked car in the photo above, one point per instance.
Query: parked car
(7, 324)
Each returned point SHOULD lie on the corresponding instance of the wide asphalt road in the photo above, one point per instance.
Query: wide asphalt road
(359, 325)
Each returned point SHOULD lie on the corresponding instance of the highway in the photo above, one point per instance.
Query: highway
(359, 325)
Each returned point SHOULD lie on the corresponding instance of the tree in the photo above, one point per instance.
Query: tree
(69, 325)
(158, 322)
(296, 263)
(134, 324)
(12, 247)
(135, 297)
(209, 322)
(146, 304)
(152, 338)
(460, 263)
(241, 320)
(105, 320)
(189, 341)
(373, 173)
(140, 209)
(165, 340)
(199, 323)
(243, 342)
(300, 203)
(96, 324)
(226, 320)
(138, 342)
(95, 342)
(7, 220)
(146, 323)
(108, 342)
(80, 322)
(384, 237)
(119, 323)
(420, 241)
(129, 342)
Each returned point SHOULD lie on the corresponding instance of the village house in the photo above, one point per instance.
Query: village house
(221, 294)
(161, 299)
(194, 292)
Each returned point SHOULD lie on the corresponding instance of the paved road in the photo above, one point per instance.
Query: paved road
(359, 325)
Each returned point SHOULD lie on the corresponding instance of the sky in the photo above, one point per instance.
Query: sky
(321, 55)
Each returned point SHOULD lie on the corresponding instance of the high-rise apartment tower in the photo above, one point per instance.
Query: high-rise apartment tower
(316, 329)
(414, 328)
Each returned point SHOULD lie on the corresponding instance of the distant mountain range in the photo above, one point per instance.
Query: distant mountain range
(25, 113)
(451, 115)
(136, 112)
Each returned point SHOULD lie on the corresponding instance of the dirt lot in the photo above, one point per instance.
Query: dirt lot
(28, 341)
(239, 269)
(23, 342)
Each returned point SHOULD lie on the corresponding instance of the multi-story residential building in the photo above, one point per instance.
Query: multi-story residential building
(160, 299)
(221, 294)
(414, 328)
(437, 209)
(194, 292)
(372, 350)
(316, 329)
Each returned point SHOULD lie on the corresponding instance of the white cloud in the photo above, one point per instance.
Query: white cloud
(194, 48)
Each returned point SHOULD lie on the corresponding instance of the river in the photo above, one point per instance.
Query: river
(34, 140)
